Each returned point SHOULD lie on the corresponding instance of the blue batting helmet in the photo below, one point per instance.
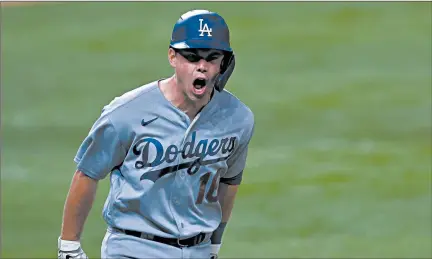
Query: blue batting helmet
(203, 29)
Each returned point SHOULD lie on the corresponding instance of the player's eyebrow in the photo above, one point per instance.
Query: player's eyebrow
(206, 54)
(215, 54)
(209, 53)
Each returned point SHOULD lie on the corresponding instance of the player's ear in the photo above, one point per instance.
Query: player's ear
(172, 57)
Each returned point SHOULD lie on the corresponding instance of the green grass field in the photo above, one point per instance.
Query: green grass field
(340, 165)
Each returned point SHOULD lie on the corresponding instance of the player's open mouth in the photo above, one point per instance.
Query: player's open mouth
(199, 86)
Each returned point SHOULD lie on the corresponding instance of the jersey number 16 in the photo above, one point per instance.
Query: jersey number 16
(204, 179)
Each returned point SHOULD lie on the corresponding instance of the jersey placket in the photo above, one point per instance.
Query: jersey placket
(179, 182)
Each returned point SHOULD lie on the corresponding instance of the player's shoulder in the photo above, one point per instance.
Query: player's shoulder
(237, 108)
(127, 99)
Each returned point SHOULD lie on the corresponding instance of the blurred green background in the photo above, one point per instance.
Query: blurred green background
(340, 162)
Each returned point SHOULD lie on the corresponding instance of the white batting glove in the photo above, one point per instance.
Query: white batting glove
(214, 251)
(70, 250)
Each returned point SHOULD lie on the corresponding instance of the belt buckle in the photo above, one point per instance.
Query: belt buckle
(198, 239)
(179, 244)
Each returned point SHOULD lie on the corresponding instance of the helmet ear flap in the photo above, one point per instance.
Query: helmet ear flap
(227, 68)
(228, 56)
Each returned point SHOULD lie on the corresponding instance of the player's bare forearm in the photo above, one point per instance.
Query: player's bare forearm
(78, 204)
(226, 196)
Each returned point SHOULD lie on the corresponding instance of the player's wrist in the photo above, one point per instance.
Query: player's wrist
(215, 248)
(68, 245)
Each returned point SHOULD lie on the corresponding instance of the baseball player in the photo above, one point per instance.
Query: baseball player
(175, 150)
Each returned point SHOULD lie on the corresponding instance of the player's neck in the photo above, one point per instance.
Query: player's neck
(173, 93)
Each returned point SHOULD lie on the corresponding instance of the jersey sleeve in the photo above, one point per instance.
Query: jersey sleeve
(237, 162)
(101, 150)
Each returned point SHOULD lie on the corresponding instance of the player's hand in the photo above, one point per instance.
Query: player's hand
(214, 251)
(79, 254)
(70, 250)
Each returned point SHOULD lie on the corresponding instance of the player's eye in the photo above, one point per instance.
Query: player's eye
(192, 57)
(212, 57)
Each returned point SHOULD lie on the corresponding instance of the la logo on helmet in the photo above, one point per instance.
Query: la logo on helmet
(204, 29)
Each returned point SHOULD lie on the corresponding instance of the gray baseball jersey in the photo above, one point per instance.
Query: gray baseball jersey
(165, 169)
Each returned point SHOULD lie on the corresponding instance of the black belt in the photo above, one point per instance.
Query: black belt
(188, 242)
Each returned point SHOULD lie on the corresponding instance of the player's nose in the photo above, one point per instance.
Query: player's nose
(202, 66)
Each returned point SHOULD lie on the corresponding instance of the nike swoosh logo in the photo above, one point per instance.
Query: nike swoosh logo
(145, 123)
